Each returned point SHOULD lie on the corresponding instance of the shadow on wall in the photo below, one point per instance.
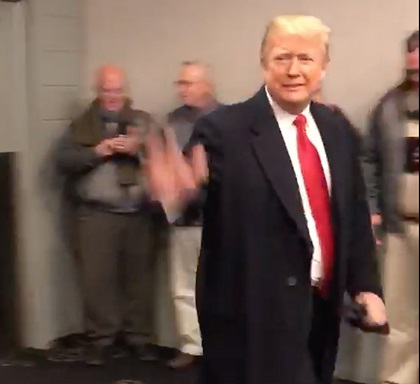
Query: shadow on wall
(61, 217)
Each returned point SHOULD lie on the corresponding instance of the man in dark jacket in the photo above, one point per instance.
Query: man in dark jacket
(101, 156)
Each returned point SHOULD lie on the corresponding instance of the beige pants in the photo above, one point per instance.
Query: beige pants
(184, 252)
(400, 362)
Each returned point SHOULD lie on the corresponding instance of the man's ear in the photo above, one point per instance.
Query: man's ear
(325, 64)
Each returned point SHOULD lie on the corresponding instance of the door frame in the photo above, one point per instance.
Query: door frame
(18, 93)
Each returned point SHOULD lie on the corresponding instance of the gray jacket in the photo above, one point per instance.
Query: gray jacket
(182, 120)
(383, 158)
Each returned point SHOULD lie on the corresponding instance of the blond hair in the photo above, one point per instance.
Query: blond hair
(300, 25)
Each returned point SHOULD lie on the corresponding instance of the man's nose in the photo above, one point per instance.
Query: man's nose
(294, 68)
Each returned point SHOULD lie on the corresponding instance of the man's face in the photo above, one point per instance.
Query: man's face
(293, 68)
(111, 92)
(192, 86)
(412, 65)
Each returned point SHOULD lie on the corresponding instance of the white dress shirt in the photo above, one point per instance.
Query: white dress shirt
(289, 132)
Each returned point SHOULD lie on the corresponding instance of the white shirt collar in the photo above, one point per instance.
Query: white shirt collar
(282, 115)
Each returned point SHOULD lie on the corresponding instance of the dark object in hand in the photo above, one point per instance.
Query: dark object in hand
(355, 315)
(122, 128)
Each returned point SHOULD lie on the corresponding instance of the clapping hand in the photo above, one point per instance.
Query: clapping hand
(104, 148)
(128, 144)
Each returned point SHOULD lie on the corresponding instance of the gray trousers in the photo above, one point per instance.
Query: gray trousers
(117, 275)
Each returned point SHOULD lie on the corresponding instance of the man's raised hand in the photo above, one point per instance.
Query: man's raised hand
(173, 178)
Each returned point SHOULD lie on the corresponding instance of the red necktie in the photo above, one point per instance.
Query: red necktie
(319, 199)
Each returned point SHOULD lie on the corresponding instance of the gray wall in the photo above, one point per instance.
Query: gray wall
(50, 84)
(150, 38)
(9, 33)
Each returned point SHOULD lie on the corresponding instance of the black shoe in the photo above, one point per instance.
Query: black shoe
(182, 360)
(119, 348)
(118, 352)
(95, 356)
(144, 352)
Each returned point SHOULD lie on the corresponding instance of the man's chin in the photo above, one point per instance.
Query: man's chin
(296, 99)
